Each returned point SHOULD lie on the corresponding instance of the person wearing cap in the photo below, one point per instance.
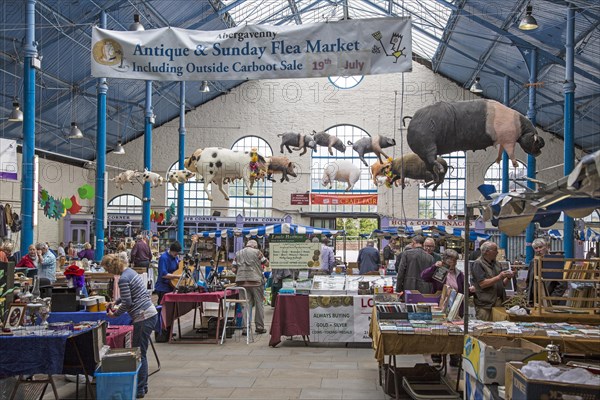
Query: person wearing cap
(168, 263)
(249, 275)
(368, 258)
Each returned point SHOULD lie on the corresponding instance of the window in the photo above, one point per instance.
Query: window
(493, 176)
(449, 198)
(125, 204)
(346, 82)
(322, 159)
(260, 204)
(194, 197)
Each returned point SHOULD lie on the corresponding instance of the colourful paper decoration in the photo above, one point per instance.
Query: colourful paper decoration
(75, 207)
(86, 192)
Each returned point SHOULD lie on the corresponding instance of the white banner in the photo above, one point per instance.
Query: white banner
(340, 318)
(8, 159)
(353, 47)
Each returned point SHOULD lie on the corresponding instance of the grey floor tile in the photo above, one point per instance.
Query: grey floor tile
(321, 394)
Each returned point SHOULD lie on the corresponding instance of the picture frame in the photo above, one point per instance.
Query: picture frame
(15, 315)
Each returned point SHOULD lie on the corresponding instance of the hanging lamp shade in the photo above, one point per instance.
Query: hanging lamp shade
(476, 86)
(528, 22)
(119, 149)
(204, 88)
(137, 25)
(16, 115)
(75, 132)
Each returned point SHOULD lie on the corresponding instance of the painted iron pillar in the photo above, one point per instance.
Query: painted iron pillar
(99, 201)
(531, 164)
(181, 189)
(149, 120)
(505, 166)
(569, 127)
(27, 184)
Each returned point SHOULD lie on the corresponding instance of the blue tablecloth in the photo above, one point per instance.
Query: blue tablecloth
(28, 355)
(123, 319)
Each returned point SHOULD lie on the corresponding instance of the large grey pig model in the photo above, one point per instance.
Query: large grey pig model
(411, 166)
(326, 140)
(280, 164)
(297, 140)
(374, 144)
(443, 127)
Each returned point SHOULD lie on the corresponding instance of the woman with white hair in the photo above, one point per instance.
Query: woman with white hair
(46, 262)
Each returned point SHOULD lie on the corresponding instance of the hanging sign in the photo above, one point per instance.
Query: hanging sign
(8, 159)
(351, 47)
(344, 199)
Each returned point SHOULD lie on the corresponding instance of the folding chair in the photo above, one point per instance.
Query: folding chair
(244, 302)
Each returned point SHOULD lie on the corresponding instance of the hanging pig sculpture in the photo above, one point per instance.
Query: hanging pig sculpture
(374, 144)
(341, 171)
(326, 140)
(282, 165)
(444, 127)
(409, 166)
(298, 141)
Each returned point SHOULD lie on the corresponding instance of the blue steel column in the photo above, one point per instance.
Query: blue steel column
(30, 52)
(506, 102)
(569, 128)
(101, 159)
(147, 157)
(531, 165)
(180, 190)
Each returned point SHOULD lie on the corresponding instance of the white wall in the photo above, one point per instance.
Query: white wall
(269, 107)
(60, 180)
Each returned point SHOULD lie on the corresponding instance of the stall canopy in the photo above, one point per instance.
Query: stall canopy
(589, 235)
(577, 195)
(275, 229)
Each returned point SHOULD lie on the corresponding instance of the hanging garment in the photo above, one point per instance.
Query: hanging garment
(3, 230)
(16, 223)
(8, 214)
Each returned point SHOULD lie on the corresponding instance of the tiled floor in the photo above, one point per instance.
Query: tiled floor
(236, 370)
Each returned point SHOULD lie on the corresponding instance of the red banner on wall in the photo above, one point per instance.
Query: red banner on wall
(344, 199)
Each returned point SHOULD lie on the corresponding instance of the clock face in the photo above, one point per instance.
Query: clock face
(346, 82)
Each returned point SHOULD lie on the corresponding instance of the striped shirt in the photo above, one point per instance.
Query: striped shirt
(135, 298)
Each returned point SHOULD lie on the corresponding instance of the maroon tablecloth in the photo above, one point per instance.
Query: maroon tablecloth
(119, 336)
(290, 318)
(186, 302)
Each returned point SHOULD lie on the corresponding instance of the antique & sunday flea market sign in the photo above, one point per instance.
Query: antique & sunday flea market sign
(352, 47)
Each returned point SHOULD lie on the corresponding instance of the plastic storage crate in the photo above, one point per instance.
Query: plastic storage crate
(116, 385)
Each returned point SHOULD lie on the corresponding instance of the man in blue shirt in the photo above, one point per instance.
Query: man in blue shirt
(167, 264)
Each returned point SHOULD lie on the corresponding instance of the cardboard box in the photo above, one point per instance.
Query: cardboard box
(519, 387)
(414, 297)
(484, 357)
(121, 360)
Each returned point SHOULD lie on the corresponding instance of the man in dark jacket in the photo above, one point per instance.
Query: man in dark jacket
(410, 265)
(368, 258)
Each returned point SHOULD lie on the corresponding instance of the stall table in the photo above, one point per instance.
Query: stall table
(290, 318)
(176, 305)
(52, 353)
(119, 336)
(500, 314)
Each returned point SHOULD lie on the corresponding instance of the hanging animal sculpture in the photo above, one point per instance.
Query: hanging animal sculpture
(216, 164)
(374, 144)
(326, 140)
(190, 162)
(409, 166)
(124, 177)
(282, 165)
(442, 128)
(152, 177)
(341, 171)
(298, 141)
(179, 176)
